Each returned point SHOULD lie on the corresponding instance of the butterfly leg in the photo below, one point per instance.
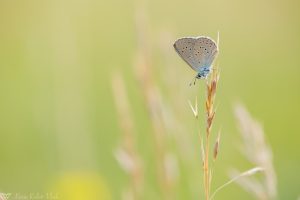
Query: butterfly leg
(193, 81)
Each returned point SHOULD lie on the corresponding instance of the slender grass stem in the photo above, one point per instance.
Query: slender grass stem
(246, 173)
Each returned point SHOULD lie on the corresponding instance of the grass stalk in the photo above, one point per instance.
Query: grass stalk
(211, 87)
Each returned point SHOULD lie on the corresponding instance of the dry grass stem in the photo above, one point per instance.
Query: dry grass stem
(202, 151)
(211, 88)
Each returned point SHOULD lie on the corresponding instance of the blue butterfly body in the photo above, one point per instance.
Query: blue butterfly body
(203, 72)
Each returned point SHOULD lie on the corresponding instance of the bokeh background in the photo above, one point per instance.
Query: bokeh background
(59, 122)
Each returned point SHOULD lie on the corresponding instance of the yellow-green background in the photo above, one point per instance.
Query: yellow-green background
(58, 122)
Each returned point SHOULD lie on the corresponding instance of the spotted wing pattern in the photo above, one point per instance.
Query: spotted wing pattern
(196, 52)
(185, 49)
(205, 51)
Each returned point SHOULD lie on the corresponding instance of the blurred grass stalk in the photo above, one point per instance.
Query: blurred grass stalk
(166, 163)
(126, 154)
(166, 169)
(258, 153)
(4, 196)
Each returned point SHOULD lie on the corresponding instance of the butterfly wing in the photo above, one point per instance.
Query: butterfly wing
(185, 48)
(205, 51)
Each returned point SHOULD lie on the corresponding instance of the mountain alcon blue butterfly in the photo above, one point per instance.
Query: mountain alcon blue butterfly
(198, 52)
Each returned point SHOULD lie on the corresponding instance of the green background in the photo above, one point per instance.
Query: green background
(58, 120)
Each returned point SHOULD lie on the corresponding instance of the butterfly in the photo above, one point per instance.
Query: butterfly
(198, 52)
